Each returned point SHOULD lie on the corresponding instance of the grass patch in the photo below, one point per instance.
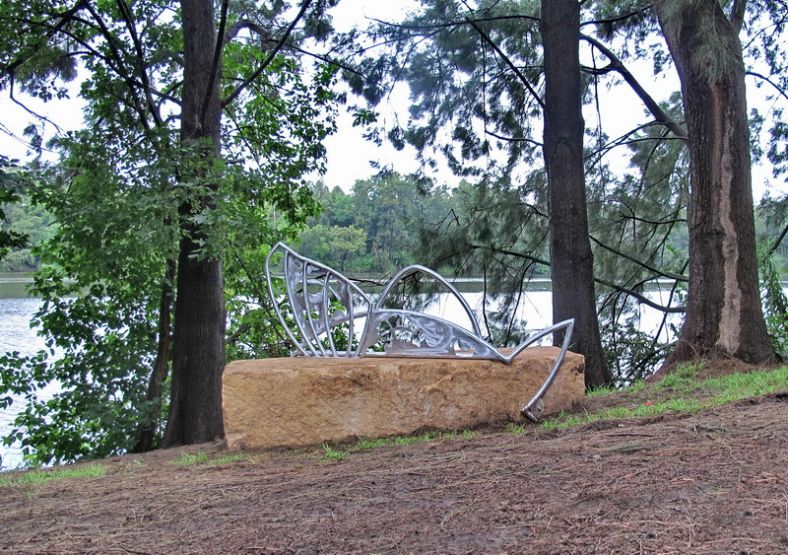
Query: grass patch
(683, 380)
(333, 455)
(421, 438)
(516, 429)
(366, 444)
(636, 387)
(468, 434)
(195, 459)
(678, 392)
(191, 459)
(36, 477)
(229, 459)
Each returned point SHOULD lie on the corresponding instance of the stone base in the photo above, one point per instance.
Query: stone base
(306, 401)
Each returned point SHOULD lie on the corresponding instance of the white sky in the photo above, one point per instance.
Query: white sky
(349, 155)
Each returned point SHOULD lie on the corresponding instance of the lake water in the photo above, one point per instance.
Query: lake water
(15, 335)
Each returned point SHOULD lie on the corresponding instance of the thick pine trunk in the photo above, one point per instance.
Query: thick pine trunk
(571, 258)
(724, 317)
(198, 350)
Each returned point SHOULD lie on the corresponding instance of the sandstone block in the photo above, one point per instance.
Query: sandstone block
(305, 401)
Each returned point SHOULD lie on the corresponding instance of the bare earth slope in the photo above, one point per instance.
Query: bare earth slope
(712, 482)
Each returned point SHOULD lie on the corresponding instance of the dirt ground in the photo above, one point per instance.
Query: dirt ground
(712, 482)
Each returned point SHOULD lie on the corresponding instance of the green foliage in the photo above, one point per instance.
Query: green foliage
(229, 459)
(411, 440)
(377, 227)
(334, 244)
(33, 223)
(682, 380)
(366, 444)
(515, 429)
(775, 305)
(200, 458)
(9, 183)
(125, 191)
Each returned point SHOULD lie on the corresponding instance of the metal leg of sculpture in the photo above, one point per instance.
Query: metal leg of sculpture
(534, 408)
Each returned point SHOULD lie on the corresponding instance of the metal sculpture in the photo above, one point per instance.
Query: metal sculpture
(326, 315)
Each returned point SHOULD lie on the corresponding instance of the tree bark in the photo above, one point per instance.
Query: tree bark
(724, 316)
(161, 366)
(570, 249)
(198, 349)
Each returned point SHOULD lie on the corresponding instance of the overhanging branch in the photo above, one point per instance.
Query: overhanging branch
(777, 241)
(617, 65)
(772, 83)
(269, 58)
(507, 61)
(640, 297)
(146, 86)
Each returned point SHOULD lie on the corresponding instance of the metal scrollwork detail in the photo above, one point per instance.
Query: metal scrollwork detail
(320, 307)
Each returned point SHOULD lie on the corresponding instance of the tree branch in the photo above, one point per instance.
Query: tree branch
(772, 83)
(322, 58)
(254, 27)
(137, 106)
(29, 110)
(651, 222)
(217, 55)
(671, 275)
(777, 241)
(511, 139)
(91, 51)
(642, 298)
(618, 18)
(737, 14)
(508, 62)
(650, 103)
(11, 68)
(146, 87)
(455, 23)
(269, 57)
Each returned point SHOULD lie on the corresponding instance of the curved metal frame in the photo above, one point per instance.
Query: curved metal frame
(344, 290)
(440, 338)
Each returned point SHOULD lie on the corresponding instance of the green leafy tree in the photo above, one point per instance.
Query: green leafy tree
(8, 185)
(200, 126)
(334, 245)
(394, 214)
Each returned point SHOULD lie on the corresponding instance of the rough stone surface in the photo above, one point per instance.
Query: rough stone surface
(305, 401)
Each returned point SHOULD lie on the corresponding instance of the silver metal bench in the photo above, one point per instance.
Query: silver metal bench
(326, 315)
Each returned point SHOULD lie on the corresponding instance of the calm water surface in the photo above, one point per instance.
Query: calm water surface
(16, 335)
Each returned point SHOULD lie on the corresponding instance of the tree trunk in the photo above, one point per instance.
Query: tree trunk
(198, 350)
(724, 317)
(147, 429)
(570, 250)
